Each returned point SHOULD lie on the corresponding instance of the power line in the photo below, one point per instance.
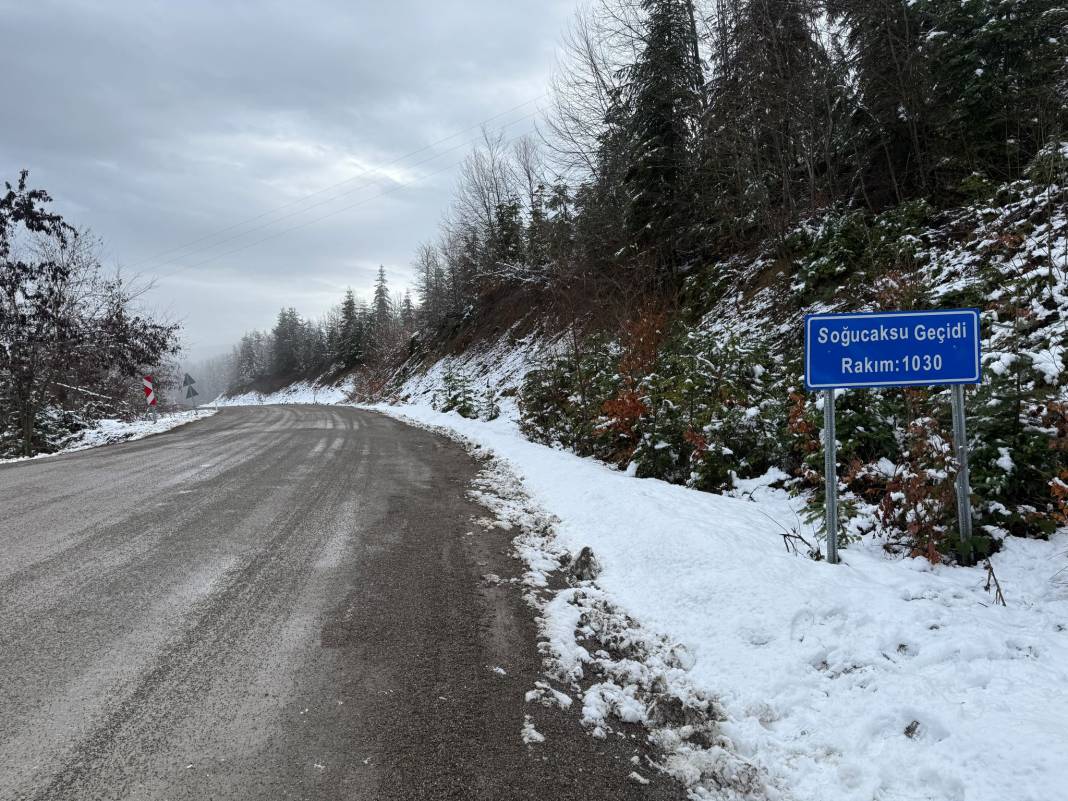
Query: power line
(363, 173)
(273, 221)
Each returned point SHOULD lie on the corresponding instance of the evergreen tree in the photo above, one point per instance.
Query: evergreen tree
(407, 313)
(767, 147)
(431, 285)
(288, 333)
(663, 107)
(506, 242)
(350, 333)
(996, 68)
(380, 339)
(890, 111)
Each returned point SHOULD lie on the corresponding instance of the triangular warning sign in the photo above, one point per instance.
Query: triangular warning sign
(192, 393)
(188, 380)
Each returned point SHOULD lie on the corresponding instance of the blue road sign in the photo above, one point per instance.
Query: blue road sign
(892, 349)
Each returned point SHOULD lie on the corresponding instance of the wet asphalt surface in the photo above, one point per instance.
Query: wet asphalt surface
(275, 603)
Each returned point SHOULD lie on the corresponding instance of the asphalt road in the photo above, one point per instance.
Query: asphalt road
(274, 603)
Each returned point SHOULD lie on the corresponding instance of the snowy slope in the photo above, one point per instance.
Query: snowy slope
(300, 392)
(875, 679)
(498, 365)
(106, 432)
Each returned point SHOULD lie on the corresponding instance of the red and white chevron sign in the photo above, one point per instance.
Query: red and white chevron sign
(150, 390)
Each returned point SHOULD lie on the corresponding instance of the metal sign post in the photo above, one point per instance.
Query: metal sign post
(830, 475)
(894, 349)
(188, 382)
(963, 481)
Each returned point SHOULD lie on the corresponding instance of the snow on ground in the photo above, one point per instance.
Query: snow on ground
(529, 734)
(106, 432)
(300, 392)
(879, 678)
(499, 366)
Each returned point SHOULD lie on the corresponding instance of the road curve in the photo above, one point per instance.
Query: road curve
(274, 603)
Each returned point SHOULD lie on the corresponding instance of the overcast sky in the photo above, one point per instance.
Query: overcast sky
(156, 123)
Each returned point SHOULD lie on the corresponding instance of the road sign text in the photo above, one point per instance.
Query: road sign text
(883, 349)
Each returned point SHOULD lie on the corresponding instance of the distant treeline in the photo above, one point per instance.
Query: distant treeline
(352, 335)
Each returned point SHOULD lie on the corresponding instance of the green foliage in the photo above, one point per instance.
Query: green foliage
(996, 69)
(488, 409)
(561, 403)
(706, 411)
(853, 245)
(713, 412)
(1013, 455)
(52, 427)
(1050, 164)
(457, 395)
(833, 250)
(659, 124)
(976, 186)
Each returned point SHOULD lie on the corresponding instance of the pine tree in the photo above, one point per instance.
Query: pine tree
(286, 362)
(892, 105)
(381, 334)
(997, 68)
(431, 285)
(350, 346)
(767, 153)
(506, 242)
(407, 313)
(663, 107)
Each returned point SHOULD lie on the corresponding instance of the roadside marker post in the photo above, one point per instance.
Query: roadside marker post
(893, 349)
(150, 395)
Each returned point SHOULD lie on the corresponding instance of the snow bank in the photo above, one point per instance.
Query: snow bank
(106, 432)
(499, 366)
(300, 392)
(874, 679)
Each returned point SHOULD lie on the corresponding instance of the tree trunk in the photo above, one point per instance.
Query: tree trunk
(698, 75)
(27, 431)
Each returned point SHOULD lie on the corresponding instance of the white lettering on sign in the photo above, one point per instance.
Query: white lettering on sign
(848, 336)
(889, 333)
(941, 333)
(866, 365)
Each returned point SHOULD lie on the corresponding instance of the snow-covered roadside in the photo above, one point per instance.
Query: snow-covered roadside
(106, 432)
(498, 365)
(300, 392)
(875, 679)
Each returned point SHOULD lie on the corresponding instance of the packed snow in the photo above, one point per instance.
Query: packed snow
(300, 392)
(107, 431)
(529, 734)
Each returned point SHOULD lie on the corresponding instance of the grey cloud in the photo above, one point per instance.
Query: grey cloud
(155, 123)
